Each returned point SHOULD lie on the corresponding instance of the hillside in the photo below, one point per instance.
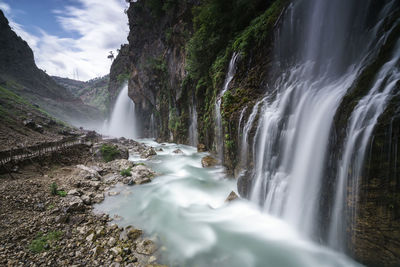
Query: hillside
(19, 73)
(93, 92)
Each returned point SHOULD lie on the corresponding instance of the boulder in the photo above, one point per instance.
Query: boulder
(177, 151)
(148, 152)
(232, 196)
(119, 164)
(86, 199)
(141, 174)
(201, 148)
(84, 172)
(208, 161)
(146, 247)
(142, 180)
(111, 242)
(74, 192)
(74, 204)
(98, 198)
(133, 233)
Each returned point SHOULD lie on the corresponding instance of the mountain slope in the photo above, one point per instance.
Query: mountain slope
(93, 92)
(19, 73)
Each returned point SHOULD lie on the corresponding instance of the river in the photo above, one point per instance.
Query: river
(185, 207)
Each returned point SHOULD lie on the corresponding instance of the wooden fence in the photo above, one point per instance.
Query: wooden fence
(29, 152)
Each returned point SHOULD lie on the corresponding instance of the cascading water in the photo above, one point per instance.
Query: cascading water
(361, 124)
(153, 128)
(245, 135)
(291, 141)
(122, 122)
(193, 137)
(218, 118)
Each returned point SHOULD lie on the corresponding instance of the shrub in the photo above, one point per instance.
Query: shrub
(43, 242)
(126, 172)
(53, 189)
(109, 152)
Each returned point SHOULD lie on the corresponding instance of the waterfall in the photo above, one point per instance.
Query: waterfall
(193, 137)
(245, 135)
(361, 124)
(153, 127)
(218, 118)
(321, 49)
(122, 122)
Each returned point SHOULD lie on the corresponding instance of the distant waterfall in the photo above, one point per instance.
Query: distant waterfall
(193, 135)
(122, 122)
(218, 118)
(321, 49)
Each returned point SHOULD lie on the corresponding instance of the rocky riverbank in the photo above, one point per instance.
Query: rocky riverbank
(46, 211)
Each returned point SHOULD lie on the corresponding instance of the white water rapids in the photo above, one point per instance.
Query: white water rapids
(184, 206)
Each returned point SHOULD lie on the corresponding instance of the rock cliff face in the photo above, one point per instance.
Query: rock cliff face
(19, 73)
(158, 34)
(179, 55)
(119, 72)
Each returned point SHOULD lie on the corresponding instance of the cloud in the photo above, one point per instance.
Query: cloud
(101, 27)
(6, 8)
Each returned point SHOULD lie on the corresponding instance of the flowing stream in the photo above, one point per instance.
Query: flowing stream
(185, 206)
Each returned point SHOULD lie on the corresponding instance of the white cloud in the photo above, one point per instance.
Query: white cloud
(5, 7)
(101, 25)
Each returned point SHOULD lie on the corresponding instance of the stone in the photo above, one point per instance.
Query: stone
(74, 192)
(123, 236)
(116, 250)
(232, 196)
(98, 198)
(97, 250)
(119, 164)
(133, 233)
(146, 247)
(128, 181)
(208, 161)
(159, 149)
(111, 242)
(142, 180)
(177, 151)
(62, 218)
(86, 199)
(147, 153)
(75, 204)
(201, 148)
(90, 238)
(152, 259)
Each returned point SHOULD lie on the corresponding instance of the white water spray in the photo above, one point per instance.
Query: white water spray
(122, 122)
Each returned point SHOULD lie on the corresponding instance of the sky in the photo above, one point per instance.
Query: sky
(70, 38)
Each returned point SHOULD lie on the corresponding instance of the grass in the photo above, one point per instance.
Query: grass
(43, 242)
(54, 190)
(126, 172)
(109, 152)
